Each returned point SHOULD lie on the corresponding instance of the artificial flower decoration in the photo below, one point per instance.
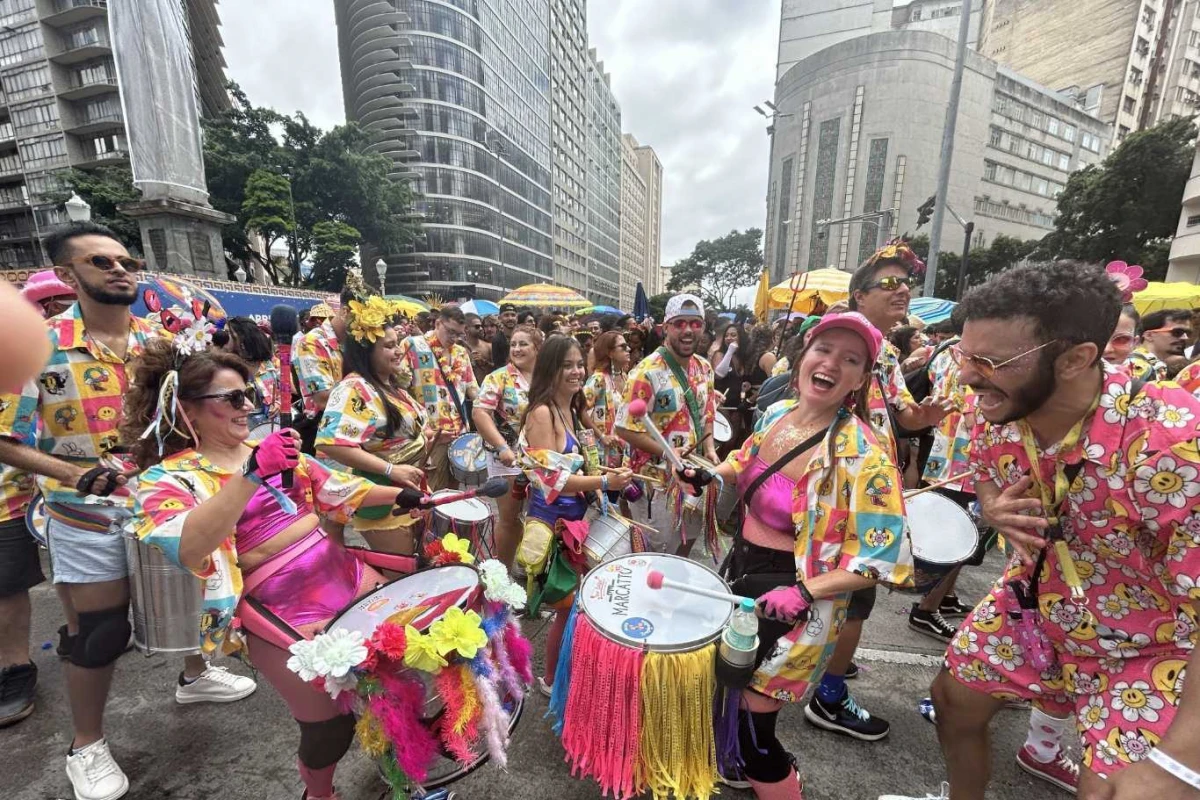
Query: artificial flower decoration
(421, 652)
(389, 640)
(336, 652)
(1127, 277)
(369, 319)
(459, 631)
(194, 336)
(900, 250)
(498, 587)
(301, 661)
(336, 684)
(459, 547)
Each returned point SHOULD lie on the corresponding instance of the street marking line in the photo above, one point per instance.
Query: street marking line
(898, 657)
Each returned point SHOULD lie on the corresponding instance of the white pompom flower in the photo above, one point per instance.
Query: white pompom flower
(301, 661)
(498, 587)
(337, 652)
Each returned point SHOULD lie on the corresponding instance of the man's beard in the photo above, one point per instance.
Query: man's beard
(105, 297)
(1034, 394)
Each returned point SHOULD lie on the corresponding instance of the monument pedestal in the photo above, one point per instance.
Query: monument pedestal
(181, 237)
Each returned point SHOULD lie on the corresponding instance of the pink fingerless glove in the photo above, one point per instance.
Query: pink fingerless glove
(278, 452)
(786, 604)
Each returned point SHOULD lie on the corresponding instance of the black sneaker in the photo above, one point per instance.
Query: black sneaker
(66, 642)
(846, 717)
(953, 607)
(18, 684)
(931, 623)
(851, 671)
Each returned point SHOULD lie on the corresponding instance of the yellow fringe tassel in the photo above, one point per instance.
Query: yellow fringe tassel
(470, 707)
(678, 752)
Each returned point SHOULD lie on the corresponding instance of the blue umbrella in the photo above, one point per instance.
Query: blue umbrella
(641, 303)
(931, 309)
(601, 311)
(480, 308)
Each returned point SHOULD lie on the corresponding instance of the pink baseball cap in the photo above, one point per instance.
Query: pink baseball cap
(43, 285)
(851, 321)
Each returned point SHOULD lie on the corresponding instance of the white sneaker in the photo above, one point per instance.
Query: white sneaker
(94, 775)
(215, 685)
(545, 688)
(944, 794)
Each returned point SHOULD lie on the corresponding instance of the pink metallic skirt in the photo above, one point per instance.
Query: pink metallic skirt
(310, 581)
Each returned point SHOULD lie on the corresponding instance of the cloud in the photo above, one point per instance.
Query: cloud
(686, 73)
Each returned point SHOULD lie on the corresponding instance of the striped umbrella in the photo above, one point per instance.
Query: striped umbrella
(599, 311)
(931, 309)
(407, 305)
(546, 295)
(802, 290)
(481, 308)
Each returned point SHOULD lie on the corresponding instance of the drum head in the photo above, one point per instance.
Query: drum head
(35, 519)
(467, 452)
(722, 431)
(262, 431)
(942, 533)
(615, 597)
(472, 510)
(419, 600)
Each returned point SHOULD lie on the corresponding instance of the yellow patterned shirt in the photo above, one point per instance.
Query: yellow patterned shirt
(318, 364)
(355, 417)
(1145, 366)
(505, 392)
(420, 357)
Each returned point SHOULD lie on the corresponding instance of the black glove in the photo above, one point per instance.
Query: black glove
(699, 478)
(85, 484)
(410, 498)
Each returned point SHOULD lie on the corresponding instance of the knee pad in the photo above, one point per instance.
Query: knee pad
(763, 755)
(102, 637)
(322, 744)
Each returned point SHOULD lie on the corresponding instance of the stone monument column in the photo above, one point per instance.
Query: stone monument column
(181, 232)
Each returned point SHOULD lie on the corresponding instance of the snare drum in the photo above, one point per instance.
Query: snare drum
(166, 601)
(722, 430)
(643, 661)
(35, 520)
(608, 538)
(470, 519)
(943, 537)
(468, 460)
(262, 429)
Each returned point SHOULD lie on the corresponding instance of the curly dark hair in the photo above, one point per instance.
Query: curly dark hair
(195, 376)
(1069, 302)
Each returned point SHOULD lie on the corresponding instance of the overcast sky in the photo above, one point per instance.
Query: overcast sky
(686, 73)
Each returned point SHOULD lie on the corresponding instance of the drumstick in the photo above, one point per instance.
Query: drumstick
(655, 580)
(630, 522)
(938, 485)
(692, 449)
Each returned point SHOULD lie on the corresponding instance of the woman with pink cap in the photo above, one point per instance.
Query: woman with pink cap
(48, 293)
(823, 515)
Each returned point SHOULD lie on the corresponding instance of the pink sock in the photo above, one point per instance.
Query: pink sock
(786, 789)
(318, 782)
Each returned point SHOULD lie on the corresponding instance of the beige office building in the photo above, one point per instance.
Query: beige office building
(651, 170)
(633, 224)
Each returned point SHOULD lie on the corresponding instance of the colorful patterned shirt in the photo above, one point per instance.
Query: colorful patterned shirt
(782, 367)
(420, 357)
(603, 399)
(318, 364)
(75, 406)
(167, 493)
(266, 381)
(653, 382)
(951, 449)
(887, 388)
(17, 489)
(1145, 366)
(1131, 520)
(848, 513)
(505, 390)
(1189, 378)
(355, 417)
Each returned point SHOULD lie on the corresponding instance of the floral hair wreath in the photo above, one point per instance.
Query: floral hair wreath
(369, 318)
(1127, 277)
(899, 250)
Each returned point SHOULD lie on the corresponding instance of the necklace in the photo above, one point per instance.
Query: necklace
(788, 435)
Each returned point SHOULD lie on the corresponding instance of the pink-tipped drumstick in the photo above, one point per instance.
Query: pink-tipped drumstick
(637, 409)
(655, 580)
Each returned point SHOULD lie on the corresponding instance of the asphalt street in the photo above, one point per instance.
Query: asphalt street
(245, 749)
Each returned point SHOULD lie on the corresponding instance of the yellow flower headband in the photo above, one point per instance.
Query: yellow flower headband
(369, 319)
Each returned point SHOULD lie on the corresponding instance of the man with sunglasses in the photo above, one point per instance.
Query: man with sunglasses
(1165, 336)
(318, 364)
(880, 290)
(677, 387)
(74, 408)
(1092, 478)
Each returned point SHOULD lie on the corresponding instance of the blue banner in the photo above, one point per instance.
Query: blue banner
(237, 302)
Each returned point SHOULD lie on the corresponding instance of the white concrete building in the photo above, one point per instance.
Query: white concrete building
(633, 224)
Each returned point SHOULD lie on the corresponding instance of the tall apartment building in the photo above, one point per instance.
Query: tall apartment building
(650, 168)
(634, 221)
(61, 107)
(604, 186)
(569, 141)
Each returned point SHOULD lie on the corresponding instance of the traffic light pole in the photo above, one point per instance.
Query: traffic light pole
(969, 229)
(943, 185)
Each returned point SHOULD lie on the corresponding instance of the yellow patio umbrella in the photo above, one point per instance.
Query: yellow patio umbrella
(1159, 296)
(546, 295)
(802, 290)
(762, 298)
(406, 305)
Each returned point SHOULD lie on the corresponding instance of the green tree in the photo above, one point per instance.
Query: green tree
(720, 267)
(266, 208)
(334, 247)
(982, 262)
(658, 305)
(104, 188)
(1126, 208)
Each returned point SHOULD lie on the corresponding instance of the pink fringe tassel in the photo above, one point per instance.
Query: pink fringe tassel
(600, 729)
(398, 709)
(508, 673)
(520, 651)
(495, 722)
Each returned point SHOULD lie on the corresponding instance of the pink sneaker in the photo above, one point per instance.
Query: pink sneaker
(1062, 771)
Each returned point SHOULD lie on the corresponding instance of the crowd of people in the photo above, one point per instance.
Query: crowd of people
(1045, 406)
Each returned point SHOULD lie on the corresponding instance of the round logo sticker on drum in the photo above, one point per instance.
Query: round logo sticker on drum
(637, 628)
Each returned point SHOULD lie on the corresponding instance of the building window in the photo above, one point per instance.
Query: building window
(1064, 162)
(21, 45)
(1193, 220)
(827, 148)
(1135, 76)
(1142, 47)
(915, 14)
(1122, 132)
(1068, 132)
(994, 137)
(1148, 17)
(873, 196)
(37, 118)
(1052, 126)
(38, 153)
(784, 221)
(1128, 105)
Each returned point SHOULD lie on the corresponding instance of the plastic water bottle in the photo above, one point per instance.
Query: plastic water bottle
(743, 628)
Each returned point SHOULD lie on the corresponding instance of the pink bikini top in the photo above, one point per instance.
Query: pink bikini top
(772, 503)
(264, 517)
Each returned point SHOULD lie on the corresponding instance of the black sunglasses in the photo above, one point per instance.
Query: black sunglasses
(236, 397)
(890, 284)
(108, 263)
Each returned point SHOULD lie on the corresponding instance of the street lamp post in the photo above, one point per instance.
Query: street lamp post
(78, 209)
(381, 269)
(240, 274)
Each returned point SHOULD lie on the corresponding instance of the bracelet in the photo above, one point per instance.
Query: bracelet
(604, 483)
(807, 595)
(387, 473)
(1180, 771)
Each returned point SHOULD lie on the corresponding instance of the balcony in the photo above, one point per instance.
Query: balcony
(83, 48)
(90, 160)
(85, 126)
(11, 202)
(6, 132)
(13, 233)
(69, 12)
(11, 167)
(83, 88)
